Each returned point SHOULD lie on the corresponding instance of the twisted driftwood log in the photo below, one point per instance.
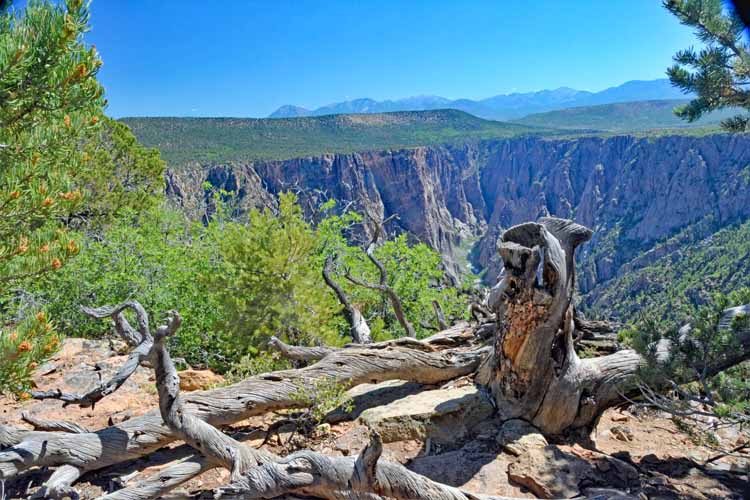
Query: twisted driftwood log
(531, 369)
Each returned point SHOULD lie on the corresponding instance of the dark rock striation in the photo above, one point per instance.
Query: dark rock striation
(634, 192)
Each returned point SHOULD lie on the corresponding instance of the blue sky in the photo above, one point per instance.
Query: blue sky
(246, 58)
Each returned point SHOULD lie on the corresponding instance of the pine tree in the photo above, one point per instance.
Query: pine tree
(63, 164)
(719, 73)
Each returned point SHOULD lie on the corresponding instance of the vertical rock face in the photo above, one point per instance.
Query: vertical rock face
(633, 191)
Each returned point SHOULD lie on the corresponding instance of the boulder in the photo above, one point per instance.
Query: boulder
(561, 471)
(518, 436)
(443, 415)
(196, 380)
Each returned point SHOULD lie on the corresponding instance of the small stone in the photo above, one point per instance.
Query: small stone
(517, 437)
(622, 433)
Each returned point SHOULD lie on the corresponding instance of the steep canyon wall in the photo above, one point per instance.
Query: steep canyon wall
(635, 192)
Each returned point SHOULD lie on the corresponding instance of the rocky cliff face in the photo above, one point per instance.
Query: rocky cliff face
(634, 192)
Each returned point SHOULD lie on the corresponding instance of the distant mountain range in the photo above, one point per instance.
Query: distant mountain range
(500, 107)
(629, 116)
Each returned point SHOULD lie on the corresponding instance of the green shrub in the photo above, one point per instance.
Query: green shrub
(159, 258)
(726, 393)
(23, 346)
(64, 165)
(322, 398)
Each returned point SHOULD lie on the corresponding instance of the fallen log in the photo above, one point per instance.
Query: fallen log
(531, 369)
(259, 474)
(226, 405)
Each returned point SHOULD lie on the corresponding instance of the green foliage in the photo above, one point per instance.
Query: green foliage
(184, 141)
(121, 175)
(322, 398)
(49, 102)
(705, 344)
(23, 346)
(63, 165)
(415, 273)
(251, 365)
(157, 257)
(270, 280)
(237, 283)
(719, 71)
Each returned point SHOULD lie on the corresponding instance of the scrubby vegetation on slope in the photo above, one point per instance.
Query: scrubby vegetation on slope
(678, 275)
(186, 140)
(622, 117)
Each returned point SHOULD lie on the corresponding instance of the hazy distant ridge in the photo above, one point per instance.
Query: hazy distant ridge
(500, 107)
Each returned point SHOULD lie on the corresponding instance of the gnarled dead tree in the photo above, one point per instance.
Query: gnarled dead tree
(358, 328)
(76, 454)
(382, 284)
(534, 372)
(531, 369)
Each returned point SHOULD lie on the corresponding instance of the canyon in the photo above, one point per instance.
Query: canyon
(637, 193)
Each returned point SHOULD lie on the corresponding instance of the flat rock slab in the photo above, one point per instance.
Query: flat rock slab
(442, 415)
(478, 472)
(367, 396)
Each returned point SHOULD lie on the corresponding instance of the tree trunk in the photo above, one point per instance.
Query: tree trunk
(358, 327)
(534, 372)
(531, 369)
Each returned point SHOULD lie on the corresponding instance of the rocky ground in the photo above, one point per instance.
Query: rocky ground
(447, 433)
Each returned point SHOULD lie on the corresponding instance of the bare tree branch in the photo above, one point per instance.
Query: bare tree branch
(382, 285)
(358, 327)
(142, 340)
(299, 353)
(53, 425)
(439, 316)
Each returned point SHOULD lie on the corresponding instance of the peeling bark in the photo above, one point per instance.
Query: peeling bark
(534, 372)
